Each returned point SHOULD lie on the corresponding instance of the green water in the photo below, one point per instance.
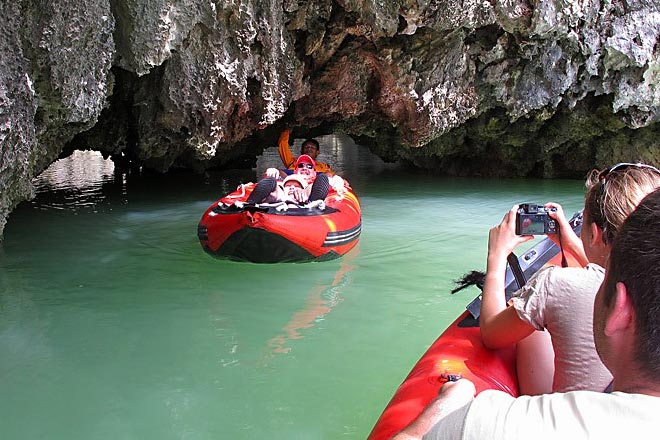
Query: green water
(114, 323)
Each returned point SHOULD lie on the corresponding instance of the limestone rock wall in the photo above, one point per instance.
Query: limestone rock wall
(55, 61)
(473, 87)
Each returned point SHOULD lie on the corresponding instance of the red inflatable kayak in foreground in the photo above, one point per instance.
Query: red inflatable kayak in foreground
(459, 351)
(271, 234)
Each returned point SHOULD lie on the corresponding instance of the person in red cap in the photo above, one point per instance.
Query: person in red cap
(310, 147)
(266, 189)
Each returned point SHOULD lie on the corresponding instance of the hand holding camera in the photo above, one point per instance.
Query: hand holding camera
(502, 240)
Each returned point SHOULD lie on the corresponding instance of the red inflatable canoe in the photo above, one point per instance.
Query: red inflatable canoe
(264, 234)
(459, 351)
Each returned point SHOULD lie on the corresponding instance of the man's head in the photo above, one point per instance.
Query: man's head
(630, 294)
(310, 147)
(305, 165)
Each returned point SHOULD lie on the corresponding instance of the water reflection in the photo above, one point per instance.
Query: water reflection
(81, 170)
(87, 181)
(322, 298)
(75, 181)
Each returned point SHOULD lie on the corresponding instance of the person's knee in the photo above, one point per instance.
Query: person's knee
(263, 188)
(320, 188)
(270, 182)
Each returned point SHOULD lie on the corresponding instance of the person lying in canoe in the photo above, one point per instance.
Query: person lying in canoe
(560, 299)
(626, 329)
(316, 185)
(310, 147)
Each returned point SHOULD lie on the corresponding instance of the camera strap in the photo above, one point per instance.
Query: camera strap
(517, 271)
(564, 263)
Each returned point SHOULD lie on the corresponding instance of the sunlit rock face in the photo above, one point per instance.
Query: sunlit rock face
(545, 88)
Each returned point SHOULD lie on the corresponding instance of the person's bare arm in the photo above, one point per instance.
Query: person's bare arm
(500, 325)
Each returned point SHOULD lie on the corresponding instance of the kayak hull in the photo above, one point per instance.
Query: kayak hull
(458, 350)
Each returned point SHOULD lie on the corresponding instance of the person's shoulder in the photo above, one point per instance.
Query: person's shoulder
(542, 275)
(577, 401)
(615, 402)
(634, 399)
(486, 416)
(589, 272)
(576, 414)
(593, 267)
(557, 281)
(322, 165)
(495, 396)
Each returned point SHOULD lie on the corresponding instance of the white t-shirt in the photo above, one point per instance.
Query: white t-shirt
(561, 300)
(581, 415)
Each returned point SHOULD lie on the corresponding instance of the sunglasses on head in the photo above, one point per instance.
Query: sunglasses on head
(602, 176)
(309, 166)
(600, 217)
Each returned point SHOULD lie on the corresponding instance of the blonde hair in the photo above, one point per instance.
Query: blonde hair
(613, 193)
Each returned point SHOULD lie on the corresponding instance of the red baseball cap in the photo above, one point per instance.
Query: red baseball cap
(305, 159)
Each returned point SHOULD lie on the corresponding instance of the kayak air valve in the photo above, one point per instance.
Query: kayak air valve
(449, 374)
(450, 377)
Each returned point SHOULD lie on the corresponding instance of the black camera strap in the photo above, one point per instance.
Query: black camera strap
(517, 271)
(564, 263)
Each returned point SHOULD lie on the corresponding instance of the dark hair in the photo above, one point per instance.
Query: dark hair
(634, 262)
(310, 141)
(612, 195)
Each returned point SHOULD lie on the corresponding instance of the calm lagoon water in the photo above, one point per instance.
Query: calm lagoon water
(115, 324)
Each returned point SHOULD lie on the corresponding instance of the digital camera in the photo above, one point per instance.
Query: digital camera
(532, 219)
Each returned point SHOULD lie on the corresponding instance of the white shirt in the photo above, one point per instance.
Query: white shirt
(581, 415)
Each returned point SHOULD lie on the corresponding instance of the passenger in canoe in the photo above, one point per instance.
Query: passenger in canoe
(626, 328)
(315, 186)
(560, 299)
(310, 147)
(295, 189)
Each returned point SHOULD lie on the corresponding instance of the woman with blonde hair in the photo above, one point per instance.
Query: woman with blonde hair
(560, 299)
